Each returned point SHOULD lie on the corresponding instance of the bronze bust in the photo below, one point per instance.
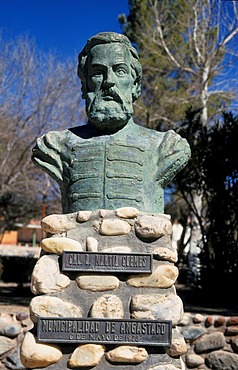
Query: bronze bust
(111, 162)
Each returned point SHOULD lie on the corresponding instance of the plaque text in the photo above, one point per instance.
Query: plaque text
(71, 330)
(85, 261)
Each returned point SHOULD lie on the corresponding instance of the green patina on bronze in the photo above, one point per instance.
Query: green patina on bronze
(111, 162)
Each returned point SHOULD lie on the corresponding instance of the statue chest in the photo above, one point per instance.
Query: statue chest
(108, 175)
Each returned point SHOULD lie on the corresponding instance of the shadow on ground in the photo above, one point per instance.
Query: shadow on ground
(217, 302)
(13, 294)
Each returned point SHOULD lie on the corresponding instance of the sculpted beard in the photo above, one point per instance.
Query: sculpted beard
(109, 106)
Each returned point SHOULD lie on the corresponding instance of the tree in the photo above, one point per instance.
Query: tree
(188, 50)
(214, 173)
(38, 92)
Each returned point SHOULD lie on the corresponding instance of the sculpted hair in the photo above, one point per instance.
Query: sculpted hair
(107, 38)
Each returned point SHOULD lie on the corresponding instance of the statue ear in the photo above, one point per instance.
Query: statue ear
(136, 89)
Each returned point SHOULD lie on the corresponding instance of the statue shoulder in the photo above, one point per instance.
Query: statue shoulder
(173, 154)
(46, 154)
(172, 140)
(165, 141)
(53, 139)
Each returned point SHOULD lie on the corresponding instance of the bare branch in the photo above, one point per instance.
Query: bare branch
(38, 93)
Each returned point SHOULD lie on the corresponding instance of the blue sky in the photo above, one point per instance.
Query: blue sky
(60, 25)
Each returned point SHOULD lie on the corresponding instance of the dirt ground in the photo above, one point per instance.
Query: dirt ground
(15, 299)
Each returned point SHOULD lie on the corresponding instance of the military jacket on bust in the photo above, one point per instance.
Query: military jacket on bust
(128, 168)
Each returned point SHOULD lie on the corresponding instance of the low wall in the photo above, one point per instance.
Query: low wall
(212, 340)
(12, 330)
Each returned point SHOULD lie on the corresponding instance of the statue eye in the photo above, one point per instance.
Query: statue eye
(94, 72)
(121, 71)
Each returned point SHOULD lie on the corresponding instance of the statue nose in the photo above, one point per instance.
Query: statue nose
(108, 84)
(109, 80)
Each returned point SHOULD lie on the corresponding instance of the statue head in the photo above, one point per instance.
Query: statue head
(111, 75)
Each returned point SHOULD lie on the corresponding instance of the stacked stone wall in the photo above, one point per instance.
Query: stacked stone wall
(211, 340)
(13, 328)
(201, 341)
(106, 295)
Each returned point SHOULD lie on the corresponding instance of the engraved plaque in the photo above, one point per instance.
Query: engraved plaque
(109, 262)
(72, 330)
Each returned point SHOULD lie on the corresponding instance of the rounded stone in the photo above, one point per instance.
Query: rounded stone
(8, 321)
(127, 354)
(193, 360)
(107, 306)
(178, 346)
(60, 244)
(5, 344)
(97, 283)
(232, 321)
(83, 216)
(208, 321)
(210, 342)
(127, 212)
(35, 355)
(198, 318)
(193, 332)
(152, 227)
(165, 254)
(186, 319)
(46, 276)
(58, 223)
(11, 331)
(157, 307)
(220, 360)
(21, 316)
(45, 306)
(164, 276)
(86, 355)
(114, 227)
(219, 321)
(231, 330)
(92, 244)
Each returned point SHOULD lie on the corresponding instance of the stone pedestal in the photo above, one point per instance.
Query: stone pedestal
(106, 295)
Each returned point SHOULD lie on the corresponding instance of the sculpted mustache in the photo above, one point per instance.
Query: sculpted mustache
(95, 99)
(114, 94)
